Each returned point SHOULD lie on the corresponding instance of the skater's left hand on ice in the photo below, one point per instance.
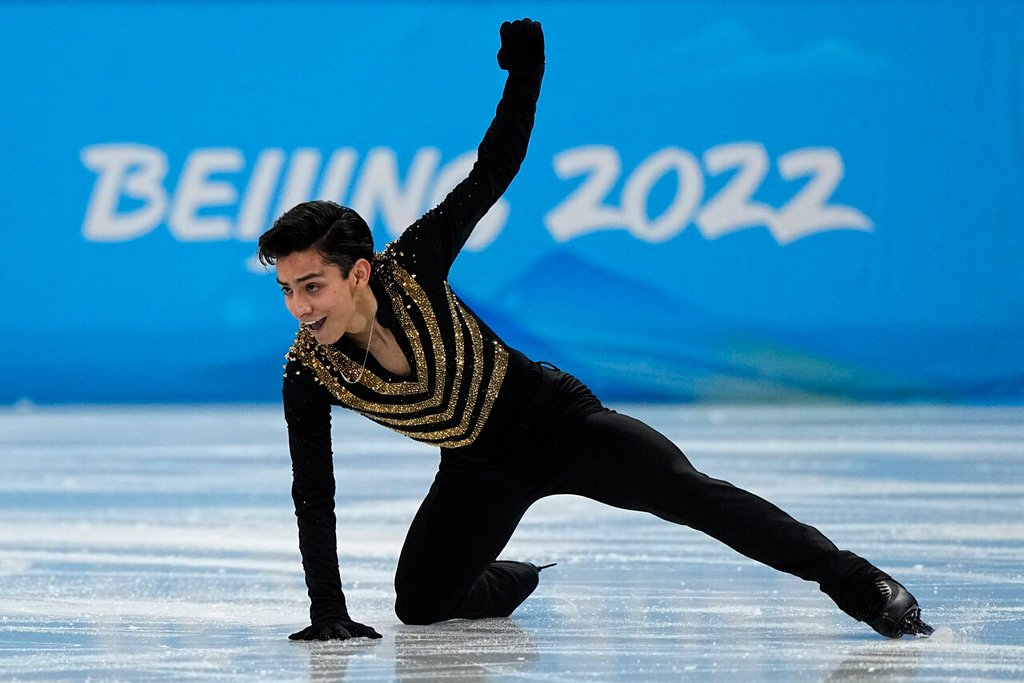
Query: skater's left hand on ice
(336, 630)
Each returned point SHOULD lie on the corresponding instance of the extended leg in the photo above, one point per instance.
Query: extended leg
(623, 462)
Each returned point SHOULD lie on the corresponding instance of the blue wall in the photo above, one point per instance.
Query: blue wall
(722, 200)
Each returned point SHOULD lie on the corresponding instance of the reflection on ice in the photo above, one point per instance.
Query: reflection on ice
(145, 544)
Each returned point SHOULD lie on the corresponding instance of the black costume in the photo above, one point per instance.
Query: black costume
(510, 431)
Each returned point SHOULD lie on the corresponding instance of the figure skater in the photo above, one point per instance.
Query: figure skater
(383, 334)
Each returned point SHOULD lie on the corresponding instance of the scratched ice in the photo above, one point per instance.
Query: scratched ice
(159, 544)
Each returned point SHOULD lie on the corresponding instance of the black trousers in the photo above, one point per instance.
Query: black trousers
(566, 442)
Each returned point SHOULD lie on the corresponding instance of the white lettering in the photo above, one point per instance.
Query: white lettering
(133, 171)
(731, 208)
(808, 211)
(379, 189)
(129, 196)
(585, 211)
(302, 172)
(298, 184)
(252, 219)
(339, 175)
(689, 192)
(196, 190)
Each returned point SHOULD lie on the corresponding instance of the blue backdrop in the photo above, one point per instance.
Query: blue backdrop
(722, 200)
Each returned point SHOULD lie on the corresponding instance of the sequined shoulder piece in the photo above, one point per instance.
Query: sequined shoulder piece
(457, 371)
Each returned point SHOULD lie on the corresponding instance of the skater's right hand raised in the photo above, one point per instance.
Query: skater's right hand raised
(522, 45)
(336, 630)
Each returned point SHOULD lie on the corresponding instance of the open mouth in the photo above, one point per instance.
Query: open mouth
(315, 325)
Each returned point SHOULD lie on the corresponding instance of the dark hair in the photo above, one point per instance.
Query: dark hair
(338, 233)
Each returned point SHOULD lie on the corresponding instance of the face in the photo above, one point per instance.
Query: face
(317, 295)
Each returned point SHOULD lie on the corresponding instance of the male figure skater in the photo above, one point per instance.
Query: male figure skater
(383, 334)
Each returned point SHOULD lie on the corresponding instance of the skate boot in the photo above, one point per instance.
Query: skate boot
(519, 580)
(891, 610)
(497, 592)
(868, 594)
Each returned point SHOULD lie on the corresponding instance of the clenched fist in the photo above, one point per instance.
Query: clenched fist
(522, 45)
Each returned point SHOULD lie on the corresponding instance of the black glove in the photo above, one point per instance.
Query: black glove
(522, 45)
(335, 630)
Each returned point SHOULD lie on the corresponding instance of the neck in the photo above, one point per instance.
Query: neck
(362, 320)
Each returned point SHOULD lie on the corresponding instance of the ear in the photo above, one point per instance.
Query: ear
(360, 273)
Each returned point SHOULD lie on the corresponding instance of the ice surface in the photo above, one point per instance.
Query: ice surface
(159, 544)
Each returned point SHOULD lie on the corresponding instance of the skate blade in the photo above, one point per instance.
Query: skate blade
(911, 625)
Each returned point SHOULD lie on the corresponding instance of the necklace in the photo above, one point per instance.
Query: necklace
(366, 357)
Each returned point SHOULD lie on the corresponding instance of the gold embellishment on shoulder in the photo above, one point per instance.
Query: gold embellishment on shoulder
(413, 407)
(453, 396)
(328, 362)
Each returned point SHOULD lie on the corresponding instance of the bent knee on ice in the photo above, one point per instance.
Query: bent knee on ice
(413, 612)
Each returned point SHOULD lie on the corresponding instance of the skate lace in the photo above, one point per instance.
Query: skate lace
(870, 606)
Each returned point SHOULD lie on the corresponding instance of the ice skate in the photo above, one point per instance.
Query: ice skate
(896, 612)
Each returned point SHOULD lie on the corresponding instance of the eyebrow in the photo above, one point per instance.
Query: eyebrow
(308, 276)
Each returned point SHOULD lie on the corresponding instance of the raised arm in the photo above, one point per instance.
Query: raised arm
(436, 239)
(309, 441)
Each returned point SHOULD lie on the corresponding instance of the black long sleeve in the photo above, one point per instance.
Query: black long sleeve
(308, 417)
(437, 237)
